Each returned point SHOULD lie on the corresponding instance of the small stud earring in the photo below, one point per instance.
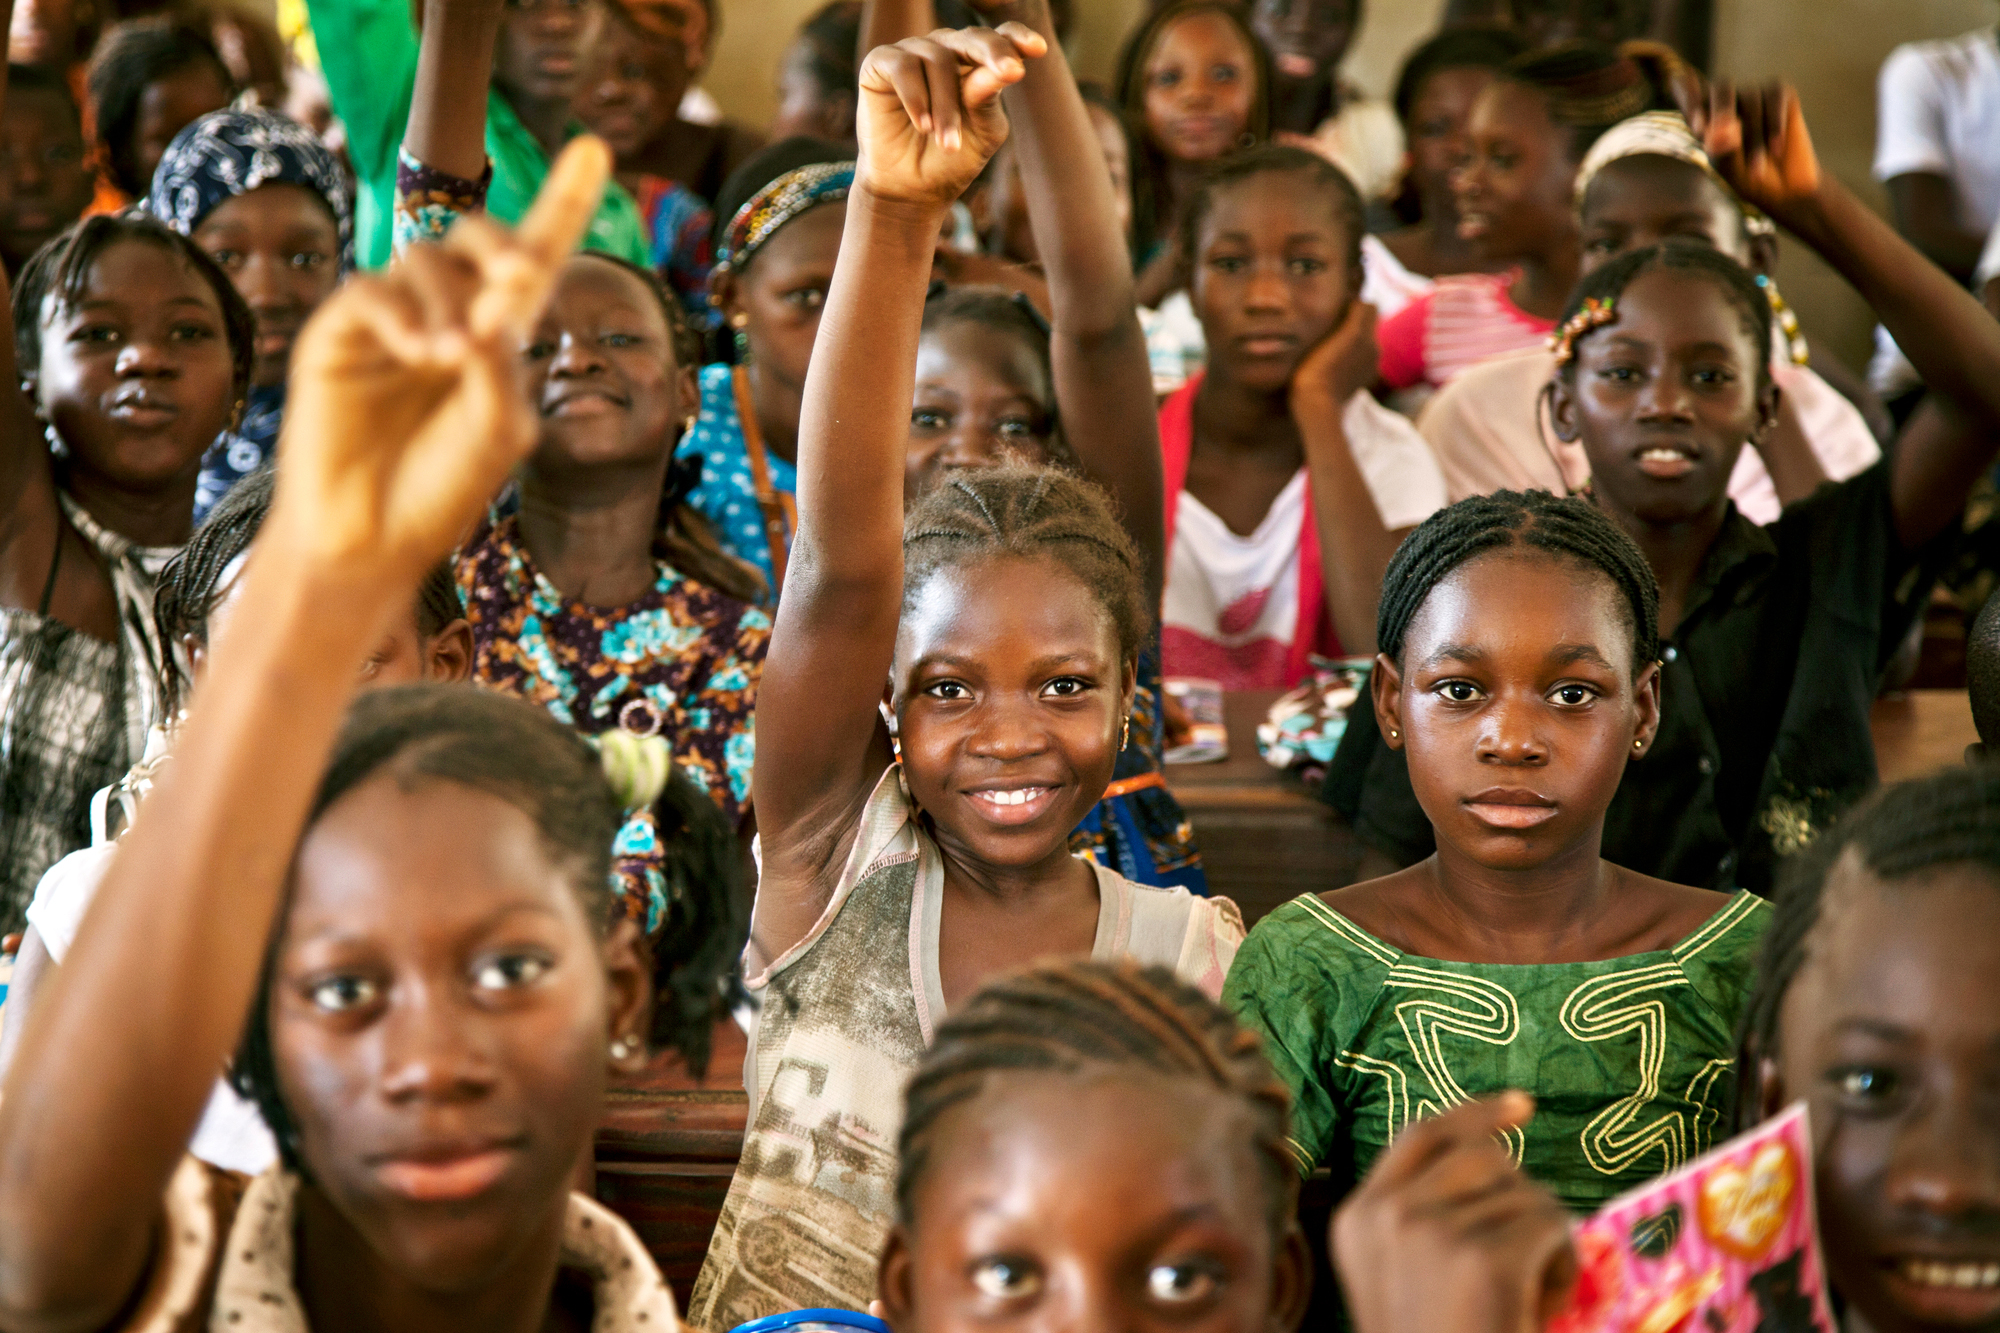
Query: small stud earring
(623, 1048)
(1394, 734)
(1638, 745)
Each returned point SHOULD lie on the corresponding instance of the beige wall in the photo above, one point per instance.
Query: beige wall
(1830, 48)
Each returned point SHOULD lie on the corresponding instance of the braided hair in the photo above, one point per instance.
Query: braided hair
(1949, 818)
(191, 583)
(1737, 284)
(1982, 673)
(1563, 526)
(1270, 159)
(1081, 1017)
(1587, 88)
(1035, 513)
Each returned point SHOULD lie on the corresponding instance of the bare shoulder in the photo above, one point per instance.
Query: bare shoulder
(1664, 913)
(1381, 906)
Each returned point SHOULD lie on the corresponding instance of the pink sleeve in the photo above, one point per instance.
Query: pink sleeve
(1400, 340)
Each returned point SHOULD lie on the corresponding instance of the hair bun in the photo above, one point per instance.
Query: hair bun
(635, 766)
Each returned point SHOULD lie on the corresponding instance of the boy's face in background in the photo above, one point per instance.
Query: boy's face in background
(44, 184)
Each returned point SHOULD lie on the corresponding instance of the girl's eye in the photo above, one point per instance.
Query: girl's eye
(308, 260)
(226, 258)
(1574, 696)
(189, 333)
(1503, 161)
(1865, 1084)
(924, 418)
(1228, 263)
(510, 971)
(336, 995)
(1067, 687)
(1619, 374)
(1459, 691)
(540, 351)
(1308, 266)
(619, 340)
(1713, 378)
(1223, 74)
(807, 298)
(1005, 1279)
(1166, 78)
(95, 333)
(1015, 428)
(1179, 1284)
(947, 689)
(1599, 245)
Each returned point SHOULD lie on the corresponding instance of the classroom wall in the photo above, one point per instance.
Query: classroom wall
(1829, 48)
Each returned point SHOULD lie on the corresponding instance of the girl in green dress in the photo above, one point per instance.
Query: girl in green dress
(1519, 672)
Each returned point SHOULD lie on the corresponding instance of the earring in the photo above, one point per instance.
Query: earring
(738, 322)
(623, 1048)
(57, 449)
(1638, 746)
(1125, 734)
(1394, 734)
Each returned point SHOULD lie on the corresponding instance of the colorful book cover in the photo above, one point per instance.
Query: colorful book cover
(1727, 1244)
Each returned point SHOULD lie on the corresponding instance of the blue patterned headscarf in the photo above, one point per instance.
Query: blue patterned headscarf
(232, 152)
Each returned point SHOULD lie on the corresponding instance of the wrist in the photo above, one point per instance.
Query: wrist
(919, 219)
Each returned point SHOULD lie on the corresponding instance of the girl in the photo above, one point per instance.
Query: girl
(510, 70)
(133, 351)
(1195, 84)
(1515, 194)
(779, 221)
(49, 180)
(816, 76)
(1647, 181)
(1518, 671)
(994, 383)
(601, 595)
(1288, 486)
(1312, 106)
(269, 203)
(1434, 98)
(1006, 640)
(148, 79)
(1098, 1143)
(1875, 1002)
(422, 893)
(1774, 637)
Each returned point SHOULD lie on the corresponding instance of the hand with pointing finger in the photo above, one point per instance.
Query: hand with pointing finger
(406, 414)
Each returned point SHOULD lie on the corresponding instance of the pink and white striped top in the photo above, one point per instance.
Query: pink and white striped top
(1465, 319)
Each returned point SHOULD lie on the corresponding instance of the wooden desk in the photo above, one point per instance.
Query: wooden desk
(1921, 731)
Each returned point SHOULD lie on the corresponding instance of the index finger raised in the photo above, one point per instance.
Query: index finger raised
(518, 270)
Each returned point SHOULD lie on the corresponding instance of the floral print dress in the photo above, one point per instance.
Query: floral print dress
(681, 662)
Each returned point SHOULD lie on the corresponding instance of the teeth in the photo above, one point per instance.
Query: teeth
(1020, 796)
(1964, 1276)
(1663, 454)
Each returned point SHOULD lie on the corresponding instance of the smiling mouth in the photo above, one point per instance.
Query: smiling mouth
(585, 405)
(1974, 1276)
(1664, 462)
(143, 412)
(1013, 805)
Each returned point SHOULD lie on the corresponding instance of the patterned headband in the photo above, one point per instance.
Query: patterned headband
(778, 203)
(1660, 134)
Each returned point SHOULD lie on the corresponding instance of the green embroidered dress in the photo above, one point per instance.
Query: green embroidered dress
(1632, 1060)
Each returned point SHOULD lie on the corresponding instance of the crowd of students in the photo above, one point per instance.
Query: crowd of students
(506, 571)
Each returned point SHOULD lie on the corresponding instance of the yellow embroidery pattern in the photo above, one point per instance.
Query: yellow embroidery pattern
(1395, 1087)
(1462, 1006)
(1608, 1007)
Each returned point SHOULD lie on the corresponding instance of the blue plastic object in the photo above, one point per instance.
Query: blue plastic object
(814, 1321)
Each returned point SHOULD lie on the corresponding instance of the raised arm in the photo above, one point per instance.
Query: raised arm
(1759, 142)
(447, 128)
(1104, 386)
(928, 119)
(886, 22)
(368, 52)
(406, 414)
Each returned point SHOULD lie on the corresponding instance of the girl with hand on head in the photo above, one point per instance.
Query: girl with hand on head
(1774, 637)
(412, 938)
(271, 206)
(1529, 130)
(1195, 84)
(996, 385)
(1000, 623)
(1288, 485)
(1098, 1143)
(131, 352)
(1876, 1001)
(1518, 671)
(1645, 182)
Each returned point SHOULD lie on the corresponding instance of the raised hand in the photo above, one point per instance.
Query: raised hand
(929, 116)
(1343, 363)
(406, 413)
(1758, 140)
(1446, 1233)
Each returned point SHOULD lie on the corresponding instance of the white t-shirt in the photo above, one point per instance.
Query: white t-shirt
(1231, 608)
(232, 1134)
(1178, 350)
(1938, 112)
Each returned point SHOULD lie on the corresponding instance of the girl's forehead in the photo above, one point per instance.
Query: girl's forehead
(1522, 591)
(132, 271)
(1292, 200)
(1205, 32)
(971, 344)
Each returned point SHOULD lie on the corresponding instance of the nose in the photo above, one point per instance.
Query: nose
(26, 171)
(1664, 398)
(1946, 1160)
(1267, 292)
(261, 283)
(144, 357)
(576, 358)
(432, 1047)
(1511, 734)
(968, 445)
(1007, 728)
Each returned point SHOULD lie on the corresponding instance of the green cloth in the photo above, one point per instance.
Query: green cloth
(1632, 1060)
(368, 50)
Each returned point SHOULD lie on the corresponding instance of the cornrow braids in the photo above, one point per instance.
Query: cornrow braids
(1949, 818)
(1570, 528)
(1737, 284)
(1588, 88)
(1270, 159)
(1030, 512)
(1982, 673)
(1081, 1017)
(190, 583)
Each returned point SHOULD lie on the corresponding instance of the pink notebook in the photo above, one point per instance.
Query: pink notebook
(1727, 1244)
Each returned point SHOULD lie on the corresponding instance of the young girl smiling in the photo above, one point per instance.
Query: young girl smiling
(1000, 622)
